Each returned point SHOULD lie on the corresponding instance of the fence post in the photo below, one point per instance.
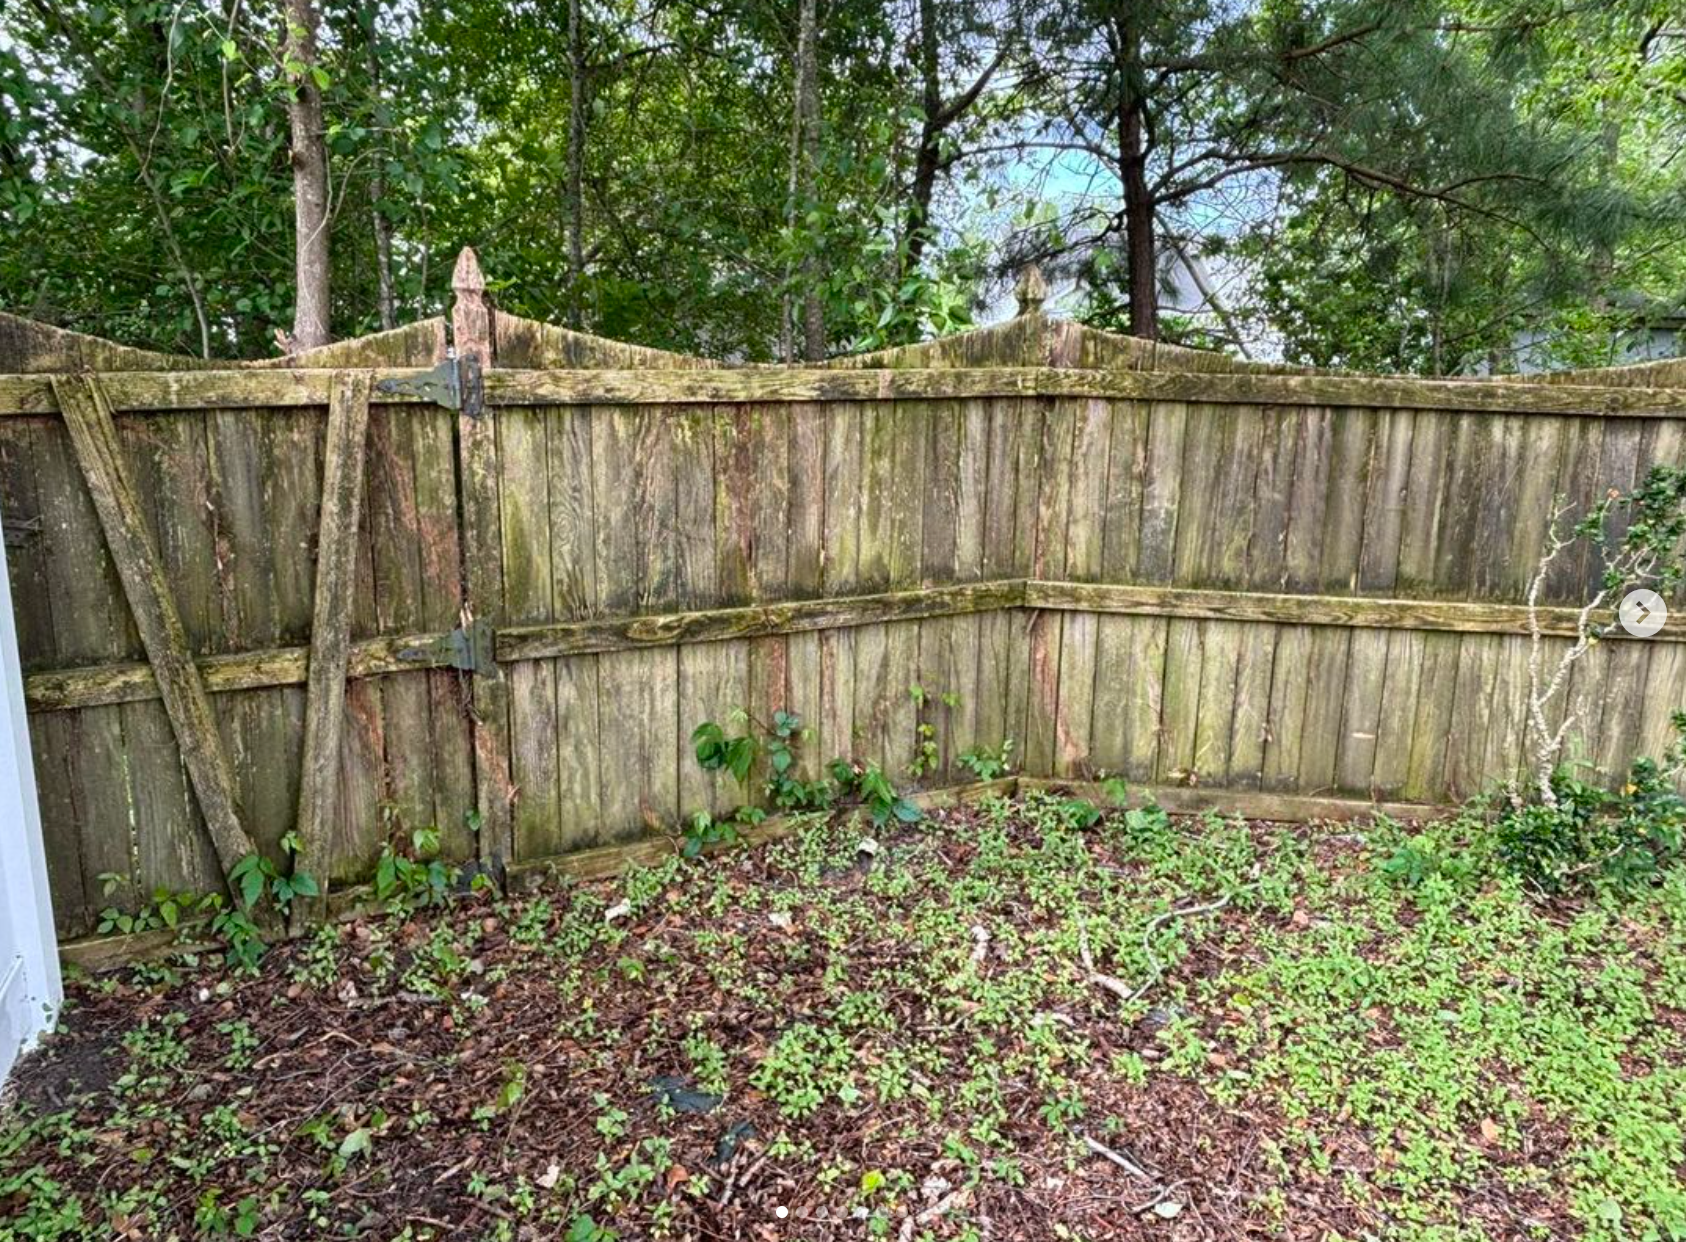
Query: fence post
(482, 550)
(30, 989)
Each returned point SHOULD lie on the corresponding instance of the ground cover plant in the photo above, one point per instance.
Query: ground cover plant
(1026, 1019)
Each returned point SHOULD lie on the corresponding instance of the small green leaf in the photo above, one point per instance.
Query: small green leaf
(358, 1142)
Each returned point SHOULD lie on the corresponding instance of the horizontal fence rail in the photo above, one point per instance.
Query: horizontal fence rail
(134, 682)
(158, 392)
(493, 588)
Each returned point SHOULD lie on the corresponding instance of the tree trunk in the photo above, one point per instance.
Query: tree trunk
(1141, 259)
(792, 208)
(387, 293)
(310, 179)
(925, 160)
(388, 298)
(808, 121)
(576, 165)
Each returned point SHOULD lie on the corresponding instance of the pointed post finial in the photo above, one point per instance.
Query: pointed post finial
(1032, 290)
(471, 316)
(467, 277)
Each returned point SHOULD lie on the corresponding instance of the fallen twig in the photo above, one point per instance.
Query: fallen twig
(1164, 1192)
(1210, 907)
(1116, 985)
(1120, 1159)
(953, 1199)
(736, 1182)
(1111, 983)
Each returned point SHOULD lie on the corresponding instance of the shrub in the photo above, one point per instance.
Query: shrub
(1589, 836)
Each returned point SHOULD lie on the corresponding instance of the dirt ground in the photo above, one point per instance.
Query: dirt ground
(1007, 1022)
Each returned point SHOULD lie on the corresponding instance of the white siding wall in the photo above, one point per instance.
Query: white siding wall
(30, 991)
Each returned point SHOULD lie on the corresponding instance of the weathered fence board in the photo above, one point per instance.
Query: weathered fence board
(339, 531)
(152, 605)
(1123, 557)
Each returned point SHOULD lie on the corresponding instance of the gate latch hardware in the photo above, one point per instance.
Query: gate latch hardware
(468, 649)
(454, 384)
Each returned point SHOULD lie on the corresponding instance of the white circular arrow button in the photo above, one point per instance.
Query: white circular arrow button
(1642, 613)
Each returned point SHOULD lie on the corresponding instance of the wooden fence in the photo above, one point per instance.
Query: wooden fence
(374, 588)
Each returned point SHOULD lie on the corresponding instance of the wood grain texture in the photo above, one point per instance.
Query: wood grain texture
(330, 647)
(101, 684)
(89, 420)
(212, 389)
(479, 480)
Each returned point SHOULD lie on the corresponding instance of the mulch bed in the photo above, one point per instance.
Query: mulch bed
(453, 1152)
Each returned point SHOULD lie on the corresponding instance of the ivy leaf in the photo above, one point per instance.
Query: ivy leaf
(248, 876)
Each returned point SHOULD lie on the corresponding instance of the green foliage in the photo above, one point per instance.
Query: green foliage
(585, 1229)
(213, 1216)
(1414, 185)
(43, 1209)
(1402, 196)
(1416, 860)
(868, 782)
(704, 832)
(166, 909)
(256, 881)
(416, 875)
(145, 183)
(716, 752)
(805, 1068)
(780, 743)
(1555, 830)
(926, 757)
(922, 305)
(943, 1000)
(785, 787)
(988, 763)
(1594, 836)
(241, 933)
(254, 875)
(1640, 533)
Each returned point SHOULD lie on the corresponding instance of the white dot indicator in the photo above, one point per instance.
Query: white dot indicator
(1642, 613)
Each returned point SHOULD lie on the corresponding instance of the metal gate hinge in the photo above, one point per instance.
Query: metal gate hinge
(470, 650)
(455, 384)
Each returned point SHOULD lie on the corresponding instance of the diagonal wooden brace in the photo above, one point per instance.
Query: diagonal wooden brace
(93, 434)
